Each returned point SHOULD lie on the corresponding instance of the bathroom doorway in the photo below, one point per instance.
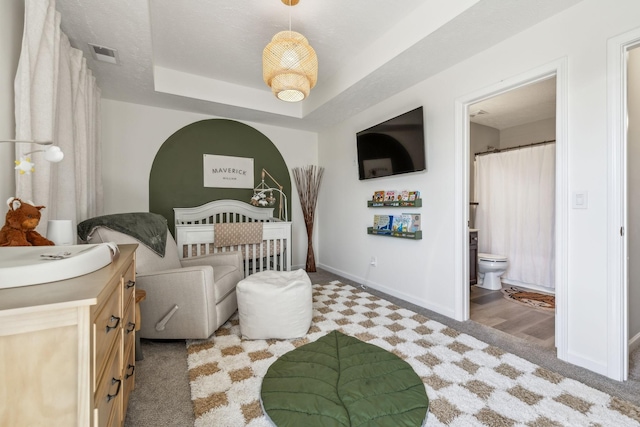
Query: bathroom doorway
(558, 70)
(633, 209)
(623, 229)
(512, 193)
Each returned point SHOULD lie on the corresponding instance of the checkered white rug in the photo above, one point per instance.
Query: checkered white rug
(469, 383)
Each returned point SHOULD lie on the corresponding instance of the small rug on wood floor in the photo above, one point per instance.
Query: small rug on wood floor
(469, 382)
(530, 298)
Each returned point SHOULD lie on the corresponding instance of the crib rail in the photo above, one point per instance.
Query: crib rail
(274, 253)
(195, 234)
(220, 211)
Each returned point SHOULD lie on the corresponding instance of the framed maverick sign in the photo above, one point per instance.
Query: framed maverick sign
(228, 171)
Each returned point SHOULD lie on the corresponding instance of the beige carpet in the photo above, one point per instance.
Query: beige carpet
(530, 298)
(469, 382)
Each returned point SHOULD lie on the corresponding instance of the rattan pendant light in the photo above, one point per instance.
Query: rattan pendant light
(289, 64)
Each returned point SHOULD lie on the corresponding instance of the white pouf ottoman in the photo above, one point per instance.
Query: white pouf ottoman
(275, 304)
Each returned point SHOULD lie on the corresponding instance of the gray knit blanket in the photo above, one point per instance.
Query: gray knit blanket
(148, 228)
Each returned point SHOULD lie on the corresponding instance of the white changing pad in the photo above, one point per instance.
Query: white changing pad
(34, 265)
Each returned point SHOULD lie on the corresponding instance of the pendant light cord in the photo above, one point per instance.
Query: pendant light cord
(289, 18)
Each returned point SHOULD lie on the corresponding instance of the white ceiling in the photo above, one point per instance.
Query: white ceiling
(526, 104)
(205, 56)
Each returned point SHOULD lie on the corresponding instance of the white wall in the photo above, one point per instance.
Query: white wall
(423, 271)
(132, 135)
(528, 133)
(11, 25)
(633, 176)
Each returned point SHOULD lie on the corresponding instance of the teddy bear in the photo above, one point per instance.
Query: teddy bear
(20, 226)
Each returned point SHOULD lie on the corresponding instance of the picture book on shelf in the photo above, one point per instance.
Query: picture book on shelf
(401, 223)
(383, 222)
(413, 196)
(404, 196)
(378, 196)
(390, 196)
(414, 222)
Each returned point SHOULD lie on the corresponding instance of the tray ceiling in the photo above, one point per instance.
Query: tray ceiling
(205, 56)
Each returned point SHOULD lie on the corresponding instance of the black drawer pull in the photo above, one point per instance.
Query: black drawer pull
(113, 381)
(129, 375)
(130, 284)
(113, 319)
(131, 327)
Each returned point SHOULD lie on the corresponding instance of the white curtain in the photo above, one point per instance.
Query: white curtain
(57, 99)
(516, 212)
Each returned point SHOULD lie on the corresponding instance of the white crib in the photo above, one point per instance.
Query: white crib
(195, 234)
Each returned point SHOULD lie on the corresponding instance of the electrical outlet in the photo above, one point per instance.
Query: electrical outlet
(374, 261)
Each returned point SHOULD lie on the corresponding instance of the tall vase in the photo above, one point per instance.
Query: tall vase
(311, 258)
(307, 181)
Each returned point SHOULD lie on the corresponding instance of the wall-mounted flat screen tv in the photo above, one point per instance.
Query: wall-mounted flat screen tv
(393, 147)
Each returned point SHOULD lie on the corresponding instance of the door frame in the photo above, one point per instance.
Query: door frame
(462, 157)
(617, 222)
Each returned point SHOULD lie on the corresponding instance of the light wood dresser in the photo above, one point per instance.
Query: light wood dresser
(67, 353)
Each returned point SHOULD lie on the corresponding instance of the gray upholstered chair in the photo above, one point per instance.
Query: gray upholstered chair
(202, 288)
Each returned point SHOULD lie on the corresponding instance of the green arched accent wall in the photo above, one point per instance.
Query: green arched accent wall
(176, 178)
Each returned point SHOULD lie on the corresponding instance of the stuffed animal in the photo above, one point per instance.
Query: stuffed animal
(20, 226)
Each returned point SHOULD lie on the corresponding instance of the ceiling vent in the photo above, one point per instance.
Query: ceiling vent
(104, 54)
(477, 113)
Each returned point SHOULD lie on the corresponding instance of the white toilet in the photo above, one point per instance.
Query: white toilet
(490, 268)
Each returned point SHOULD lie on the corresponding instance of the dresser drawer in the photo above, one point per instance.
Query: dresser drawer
(108, 397)
(129, 283)
(129, 376)
(116, 417)
(129, 324)
(107, 327)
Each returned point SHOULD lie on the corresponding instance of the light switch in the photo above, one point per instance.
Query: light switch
(580, 200)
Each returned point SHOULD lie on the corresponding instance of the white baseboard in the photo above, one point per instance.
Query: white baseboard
(445, 311)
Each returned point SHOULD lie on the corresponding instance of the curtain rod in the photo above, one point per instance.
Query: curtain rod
(498, 150)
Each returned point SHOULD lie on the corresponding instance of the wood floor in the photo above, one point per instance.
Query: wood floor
(490, 308)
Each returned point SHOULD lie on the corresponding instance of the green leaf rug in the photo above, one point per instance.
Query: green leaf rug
(339, 380)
